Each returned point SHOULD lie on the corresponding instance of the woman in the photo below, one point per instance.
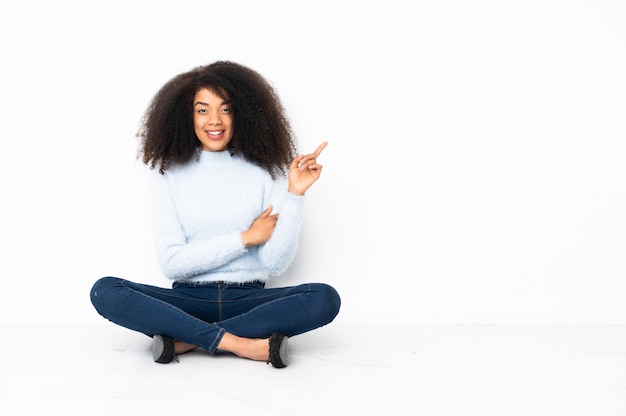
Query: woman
(227, 195)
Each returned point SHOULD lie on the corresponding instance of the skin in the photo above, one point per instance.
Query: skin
(213, 122)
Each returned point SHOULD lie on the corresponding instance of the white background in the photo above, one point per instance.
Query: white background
(475, 171)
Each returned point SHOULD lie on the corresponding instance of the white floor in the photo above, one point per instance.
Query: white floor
(337, 370)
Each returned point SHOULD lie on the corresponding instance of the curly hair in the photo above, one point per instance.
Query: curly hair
(261, 130)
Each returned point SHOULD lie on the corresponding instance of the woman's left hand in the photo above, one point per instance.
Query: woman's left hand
(304, 171)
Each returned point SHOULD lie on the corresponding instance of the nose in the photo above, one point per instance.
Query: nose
(213, 118)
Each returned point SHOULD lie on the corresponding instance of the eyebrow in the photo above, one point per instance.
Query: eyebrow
(225, 102)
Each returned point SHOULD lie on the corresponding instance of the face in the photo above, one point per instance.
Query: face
(212, 120)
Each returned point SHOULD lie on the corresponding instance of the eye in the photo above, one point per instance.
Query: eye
(201, 110)
(226, 109)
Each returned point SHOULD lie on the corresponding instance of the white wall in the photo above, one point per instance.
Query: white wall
(475, 172)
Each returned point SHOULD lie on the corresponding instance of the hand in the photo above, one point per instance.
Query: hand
(261, 229)
(304, 171)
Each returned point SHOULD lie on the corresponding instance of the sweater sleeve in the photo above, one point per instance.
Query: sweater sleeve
(180, 259)
(278, 253)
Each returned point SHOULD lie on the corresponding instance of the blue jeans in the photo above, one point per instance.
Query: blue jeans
(199, 314)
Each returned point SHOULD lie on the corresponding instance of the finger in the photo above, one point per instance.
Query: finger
(267, 211)
(311, 158)
(296, 161)
(305, 163)
(319, 149)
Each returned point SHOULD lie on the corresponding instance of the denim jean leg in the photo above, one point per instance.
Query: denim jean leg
(147, 309)
(289, 311)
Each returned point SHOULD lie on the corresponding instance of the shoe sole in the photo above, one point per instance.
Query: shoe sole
(282, 351)
(159, 355)
(158, 347)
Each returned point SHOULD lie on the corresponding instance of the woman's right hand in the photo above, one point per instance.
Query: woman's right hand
(261, 229)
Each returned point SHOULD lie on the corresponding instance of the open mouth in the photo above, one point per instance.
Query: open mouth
(218, 134)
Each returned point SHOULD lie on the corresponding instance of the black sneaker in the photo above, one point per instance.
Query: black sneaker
(278, 350)
(163, 349)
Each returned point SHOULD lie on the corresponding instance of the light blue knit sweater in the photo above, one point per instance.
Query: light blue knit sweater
(200, 210)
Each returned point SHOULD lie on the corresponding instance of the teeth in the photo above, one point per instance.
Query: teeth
(215, 133)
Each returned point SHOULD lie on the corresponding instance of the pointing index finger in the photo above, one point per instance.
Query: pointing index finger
(319, 149)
